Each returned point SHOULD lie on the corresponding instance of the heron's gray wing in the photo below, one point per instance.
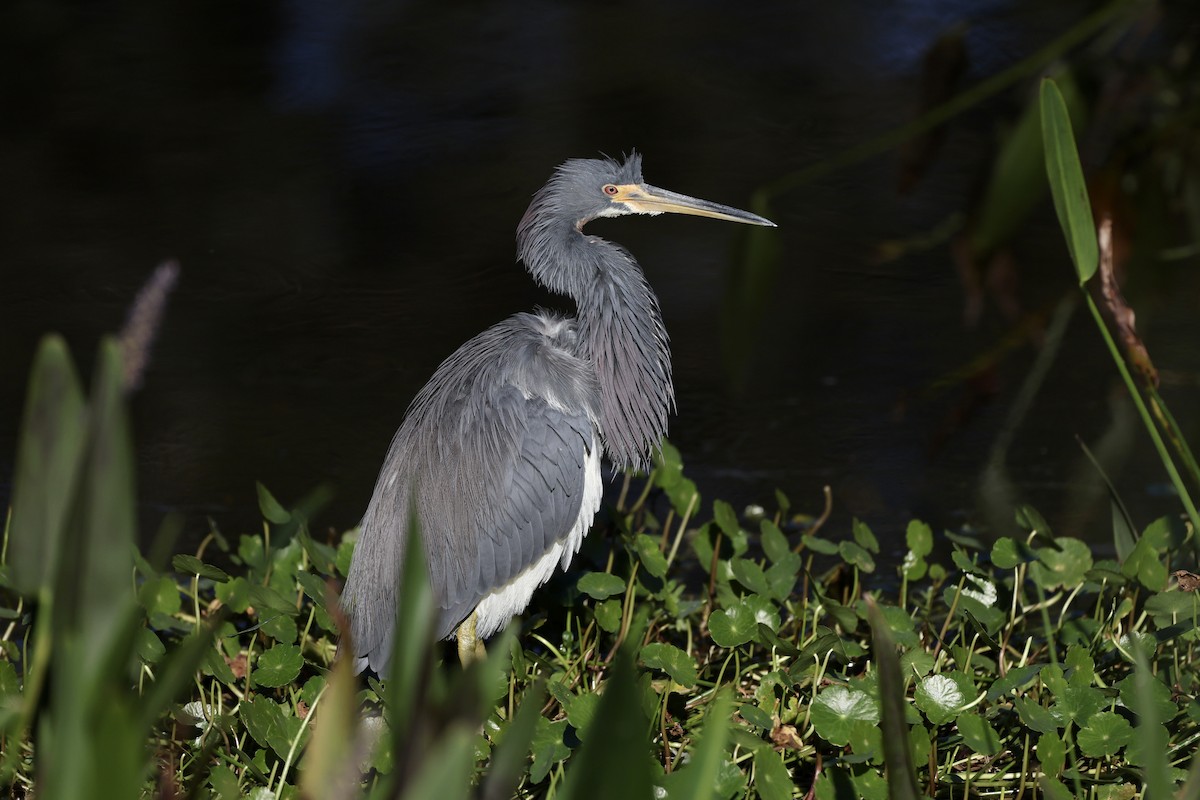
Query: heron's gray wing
(493, 471)
(533, 483)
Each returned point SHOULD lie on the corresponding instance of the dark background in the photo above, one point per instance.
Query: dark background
(341, 183)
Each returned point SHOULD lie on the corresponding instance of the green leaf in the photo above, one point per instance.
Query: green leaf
(235, 594)
(870, 785)
(581, 710)
(1104, 734)
(281, 628)
(149, 647)
(943, 696)
(1066, 566)
(818, 545)
(1035, 717)
(863, 535)
(160, 596)
(1031, 520)
(771, 778)
(251, 552)
(1165, 607)
(547, 748)
(1144, 564)
(269, 602)
(1081, 665)
(668, 474)
(345, 554)
(271, 510)
(224, 783)
(48, 461)
(190, 565)
(732, 626)
(10, 686)
(313, 586)
(1052, 752)
(1054, 789)
(781, 577)
(278, 666)
(914, 566)
(608, 615)
(965, 562)
(1066, 182)
(1155, 695)
(750, 575)
(599, 585)
(765, 612)
(919, 538)
(756, 716)
(979, 735)
(866, 739)
(1016, 678)
(267, 723)
(650, 555)
(725, 518)
(838, 706)
(774, 543)
(855, 555)
(1124, 539)
(321, 555)
(671, 660)
(1008, 553)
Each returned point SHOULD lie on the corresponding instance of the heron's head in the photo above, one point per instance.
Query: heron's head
(586, 188)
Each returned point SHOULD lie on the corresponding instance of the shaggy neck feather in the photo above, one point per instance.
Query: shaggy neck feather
(620, 327)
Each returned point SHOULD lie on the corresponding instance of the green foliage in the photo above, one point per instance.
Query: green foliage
(1067, 185)
(627, 687)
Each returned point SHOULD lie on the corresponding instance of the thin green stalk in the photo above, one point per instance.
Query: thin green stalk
(1176, 436)
(1147, 421)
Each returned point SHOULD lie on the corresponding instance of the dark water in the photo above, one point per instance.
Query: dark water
(341, 183)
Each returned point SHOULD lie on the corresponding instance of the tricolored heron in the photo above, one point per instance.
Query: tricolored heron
(500, 452)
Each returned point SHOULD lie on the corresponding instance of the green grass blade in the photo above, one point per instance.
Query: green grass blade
(412, 655)
(96, 566)
(1066, 182)
(446, 774)
(1175, 434)
(1148, 738)
(49, 455)
(615, 759)
(329, 769)
(508, 759)
(1147, 421)
(698, 780)
(176, 671)
(897, 755)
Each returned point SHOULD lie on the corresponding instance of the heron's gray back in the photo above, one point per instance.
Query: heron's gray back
(492, 452)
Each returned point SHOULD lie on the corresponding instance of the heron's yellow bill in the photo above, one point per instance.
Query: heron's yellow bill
(642, 198)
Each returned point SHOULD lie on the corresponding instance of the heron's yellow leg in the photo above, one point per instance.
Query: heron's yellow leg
(468, 645)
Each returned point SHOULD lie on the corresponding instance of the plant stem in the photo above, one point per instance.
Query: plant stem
(1151, 428)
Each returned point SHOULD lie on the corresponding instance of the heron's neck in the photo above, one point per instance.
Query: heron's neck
(622, 331)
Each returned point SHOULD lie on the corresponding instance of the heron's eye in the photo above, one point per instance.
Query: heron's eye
(609, 189)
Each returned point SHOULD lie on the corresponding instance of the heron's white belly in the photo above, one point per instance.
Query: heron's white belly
(495, 610)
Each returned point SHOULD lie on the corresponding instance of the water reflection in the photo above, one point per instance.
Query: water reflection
(341, 184)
